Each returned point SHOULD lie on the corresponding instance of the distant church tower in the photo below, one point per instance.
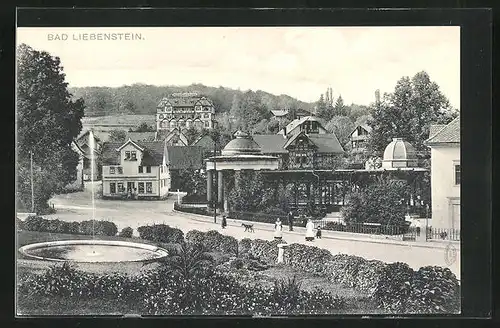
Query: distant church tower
(377, 96)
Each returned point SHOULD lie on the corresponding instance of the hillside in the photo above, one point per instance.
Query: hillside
(141, 99)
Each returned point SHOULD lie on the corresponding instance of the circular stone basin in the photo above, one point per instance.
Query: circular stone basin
(92, 251)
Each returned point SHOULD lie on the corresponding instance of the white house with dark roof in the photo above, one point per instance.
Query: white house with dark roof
(137, 168)
(444, 142)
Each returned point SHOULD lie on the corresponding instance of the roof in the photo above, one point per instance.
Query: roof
(449, 133)
(366, 127)
(184, 157)
(87, 132)
(399, 150)
(110, 156)
(185, 100)
(152, 153)
(279, 112)
(204, 141)
(275, 143)
(297, 122)
(141, 136)
(270, 143)
(242, 143)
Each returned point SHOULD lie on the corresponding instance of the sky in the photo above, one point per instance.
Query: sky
(301, 62)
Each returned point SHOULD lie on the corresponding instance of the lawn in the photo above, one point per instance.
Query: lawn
(119, 119)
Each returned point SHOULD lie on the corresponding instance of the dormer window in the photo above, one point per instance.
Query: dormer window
(120, 170)
(133, 155)
(111, 170)
(127, 155)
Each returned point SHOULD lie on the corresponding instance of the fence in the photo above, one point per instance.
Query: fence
(192, 209)
(443, 234)
(366, 228)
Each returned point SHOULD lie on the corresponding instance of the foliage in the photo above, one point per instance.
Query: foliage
(143, 127)
(117, 136)
(193, 181)
(47, 123)
(342, 127)
(19, 224)
(38, 223)
(161, 233)
(394, 287)
(214, 241)
(307, 258)
(126, 232)
(186, 260)
(380, 202)
(408, 112)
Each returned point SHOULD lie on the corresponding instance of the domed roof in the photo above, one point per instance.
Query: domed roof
(399, 153)
(241, 144)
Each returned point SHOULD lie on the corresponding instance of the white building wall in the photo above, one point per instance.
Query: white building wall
(445, 193)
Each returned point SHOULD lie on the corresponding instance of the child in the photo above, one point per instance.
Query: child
(224, 222)
(318, 233)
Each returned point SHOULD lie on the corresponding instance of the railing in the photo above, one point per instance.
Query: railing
(192, 209)
(365, 228)
(443, 234)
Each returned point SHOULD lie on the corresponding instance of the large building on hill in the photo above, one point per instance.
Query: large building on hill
(182, 110)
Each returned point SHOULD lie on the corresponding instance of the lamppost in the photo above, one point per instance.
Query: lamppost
(214, 138)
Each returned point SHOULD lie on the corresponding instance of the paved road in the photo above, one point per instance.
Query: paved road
(77, 207)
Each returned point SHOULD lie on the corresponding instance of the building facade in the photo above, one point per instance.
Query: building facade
(183, 110)
(135, 168)
(83, 142)
(359, 137)
(444, 142)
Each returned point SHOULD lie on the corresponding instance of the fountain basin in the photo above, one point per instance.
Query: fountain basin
(92, 251)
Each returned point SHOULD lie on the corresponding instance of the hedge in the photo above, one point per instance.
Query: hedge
(96, 227)
(396, 287)
(214, 241)
(161, 233)
(126, 232)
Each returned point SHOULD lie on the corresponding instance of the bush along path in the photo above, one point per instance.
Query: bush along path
(395, 288)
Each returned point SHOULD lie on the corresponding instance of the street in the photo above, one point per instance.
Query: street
(77, 207)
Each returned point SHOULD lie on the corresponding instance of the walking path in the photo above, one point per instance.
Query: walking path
(77, 207)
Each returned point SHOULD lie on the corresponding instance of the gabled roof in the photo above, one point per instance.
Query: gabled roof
(295, 137)
(297, 122)
(204, 141)
(184, 100)
(184, 157)
(279, 112)
(447, 134)
(366, 127)
(326, 143)
(141, 136)
(86, 132)
(275, 143)
(136, 144)
(110, 156)
(77, 148)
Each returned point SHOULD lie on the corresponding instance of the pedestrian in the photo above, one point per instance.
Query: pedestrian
(318, 233)
(309, 230)
(278, 230)
(290, 220)
(224, 222)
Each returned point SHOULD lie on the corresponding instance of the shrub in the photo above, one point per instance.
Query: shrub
(103, 228)
(161, 233)
(394, 288)
(264, 250)
(308, 258)
(214, 241)
(126, 232)
(19, 224)
(434, 290)
(35, 223)
(244, 247)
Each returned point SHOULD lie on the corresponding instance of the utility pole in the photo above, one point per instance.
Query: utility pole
(216, 181)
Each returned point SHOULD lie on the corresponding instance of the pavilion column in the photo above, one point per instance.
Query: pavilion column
(220, 189)
(237, 179)
(210, 182)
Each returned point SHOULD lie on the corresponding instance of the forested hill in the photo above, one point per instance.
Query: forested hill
(142, 98)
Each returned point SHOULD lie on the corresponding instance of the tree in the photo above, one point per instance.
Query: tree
(362, 120)
(192, 134)
(48, 120)
(381, 202)
(342, 126)
(408, 112)
(117, 136)
(340, 109)
(143, 127)
(324, 110)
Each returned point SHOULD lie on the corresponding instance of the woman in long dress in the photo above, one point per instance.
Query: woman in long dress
(278, 230)
(309, 230)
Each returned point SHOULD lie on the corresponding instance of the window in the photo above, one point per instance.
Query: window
(120, 187)
(112, 170)
(205, 115)
(457, 174)
(148, 169)
(141, 187)
(112, 188)
(120, 170)
(161, 169)
(133, 155)
(127, 155)
(140, 169)
(207, 124)
(149, 187)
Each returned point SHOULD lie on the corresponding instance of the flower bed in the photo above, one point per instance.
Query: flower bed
(260, 249)
(97, 227)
